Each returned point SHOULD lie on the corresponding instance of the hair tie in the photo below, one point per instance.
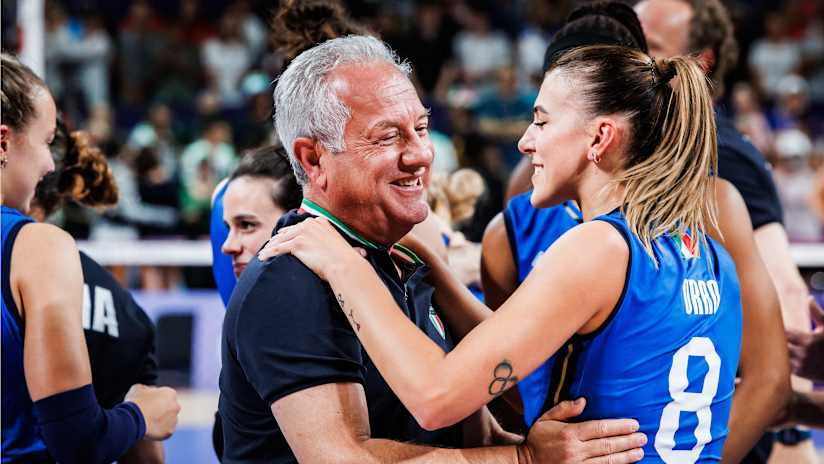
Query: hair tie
(663, 73)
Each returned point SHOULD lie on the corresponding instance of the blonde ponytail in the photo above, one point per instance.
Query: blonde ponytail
(671, 156)
(672, 190)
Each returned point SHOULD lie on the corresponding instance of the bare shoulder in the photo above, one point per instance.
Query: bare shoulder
(583, 250)
(39, 239)
(495, 231)
(730, 201)
(593, 238)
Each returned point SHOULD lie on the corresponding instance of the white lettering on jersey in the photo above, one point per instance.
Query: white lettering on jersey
(701, 297)
(105, 316)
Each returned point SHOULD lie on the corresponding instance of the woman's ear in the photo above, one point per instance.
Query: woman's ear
(309, 153)
(606, 138)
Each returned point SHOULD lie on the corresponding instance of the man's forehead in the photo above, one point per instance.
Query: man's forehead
(667, 13)
(375, 85)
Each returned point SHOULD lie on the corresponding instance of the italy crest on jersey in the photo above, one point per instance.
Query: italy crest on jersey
(436, 321)
(686, 245)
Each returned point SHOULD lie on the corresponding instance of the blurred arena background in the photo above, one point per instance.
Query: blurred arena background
(175, 91)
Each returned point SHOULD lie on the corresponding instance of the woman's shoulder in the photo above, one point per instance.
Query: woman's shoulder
(38, 240)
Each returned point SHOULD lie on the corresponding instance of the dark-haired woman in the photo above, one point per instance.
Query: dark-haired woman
(50, 412)
(642, 294)
(258, 192)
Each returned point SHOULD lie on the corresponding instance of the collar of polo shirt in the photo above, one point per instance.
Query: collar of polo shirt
(313, 208)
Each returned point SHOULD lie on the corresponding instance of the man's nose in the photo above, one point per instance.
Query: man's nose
(419, 152)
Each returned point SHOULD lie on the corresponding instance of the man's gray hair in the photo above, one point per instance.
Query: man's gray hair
(305, 103)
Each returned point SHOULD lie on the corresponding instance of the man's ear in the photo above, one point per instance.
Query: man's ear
(706, 59)
(606, 136)
(309, 152)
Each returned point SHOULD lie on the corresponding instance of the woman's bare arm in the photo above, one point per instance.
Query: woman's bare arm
(764, 362)
(47, 283)
(441, 389)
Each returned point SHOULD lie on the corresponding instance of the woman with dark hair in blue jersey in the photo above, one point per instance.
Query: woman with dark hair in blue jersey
(643, 296)
(50, 412)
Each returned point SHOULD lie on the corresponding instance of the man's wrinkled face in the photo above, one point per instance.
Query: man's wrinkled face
(666, 26)
(378, 183)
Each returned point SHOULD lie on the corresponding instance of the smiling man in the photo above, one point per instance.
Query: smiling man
(296, 385)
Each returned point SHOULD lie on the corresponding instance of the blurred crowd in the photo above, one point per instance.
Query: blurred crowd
(176, 91)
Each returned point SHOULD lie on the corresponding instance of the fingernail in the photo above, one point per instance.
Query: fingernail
(635, 425)
(638, 454)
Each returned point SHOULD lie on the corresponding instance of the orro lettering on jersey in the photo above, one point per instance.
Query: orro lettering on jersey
(701, 297)
(105, 316)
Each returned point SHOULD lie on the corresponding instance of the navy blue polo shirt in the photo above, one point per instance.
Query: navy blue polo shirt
(284, 332)
(740, 163)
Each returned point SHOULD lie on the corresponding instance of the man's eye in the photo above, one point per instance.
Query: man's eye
(246, 226)
(389, 138)
(422, 128)
(538, 124)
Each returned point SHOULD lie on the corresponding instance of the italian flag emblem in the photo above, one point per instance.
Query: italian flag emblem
(436, 321)
(686, 245)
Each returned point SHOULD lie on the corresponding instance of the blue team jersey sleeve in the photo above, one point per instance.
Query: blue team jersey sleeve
(290, 333)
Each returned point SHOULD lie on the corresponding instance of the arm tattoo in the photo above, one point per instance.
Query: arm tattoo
(502, 378)
(350, 313)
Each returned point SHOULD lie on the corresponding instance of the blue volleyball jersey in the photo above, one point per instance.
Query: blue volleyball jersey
(531, 231)
(668, 354)
(21, 437)
(221, 264)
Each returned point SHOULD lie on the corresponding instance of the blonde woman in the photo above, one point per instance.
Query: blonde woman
(644, 306)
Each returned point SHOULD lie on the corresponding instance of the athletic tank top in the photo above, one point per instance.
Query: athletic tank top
(667, 355)
(221, 264)
(531, 231)
(21, 438)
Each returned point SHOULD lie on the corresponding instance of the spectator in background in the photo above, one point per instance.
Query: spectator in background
(792, 104)
(750, 119)
(773, 56)
(252, 28)
(812, 48)
(202, 165)
(479, 49)
(795, 180)
(142, 39)
(504, 112)
(542, 19)
(124, 221)
(156, 133)
(428, 44)
(226, 58)
(77, 57)
(179, 68)
(452, 200)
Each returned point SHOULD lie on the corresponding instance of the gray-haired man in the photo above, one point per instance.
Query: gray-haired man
(296, 385)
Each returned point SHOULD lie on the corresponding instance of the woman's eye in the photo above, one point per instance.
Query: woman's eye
(538, 124)
(247, 226)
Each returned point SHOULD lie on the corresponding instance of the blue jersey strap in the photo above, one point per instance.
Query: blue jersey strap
(77, 430)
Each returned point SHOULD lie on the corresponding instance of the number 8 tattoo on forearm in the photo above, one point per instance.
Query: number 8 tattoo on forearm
(350, 314)
(502, 378)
